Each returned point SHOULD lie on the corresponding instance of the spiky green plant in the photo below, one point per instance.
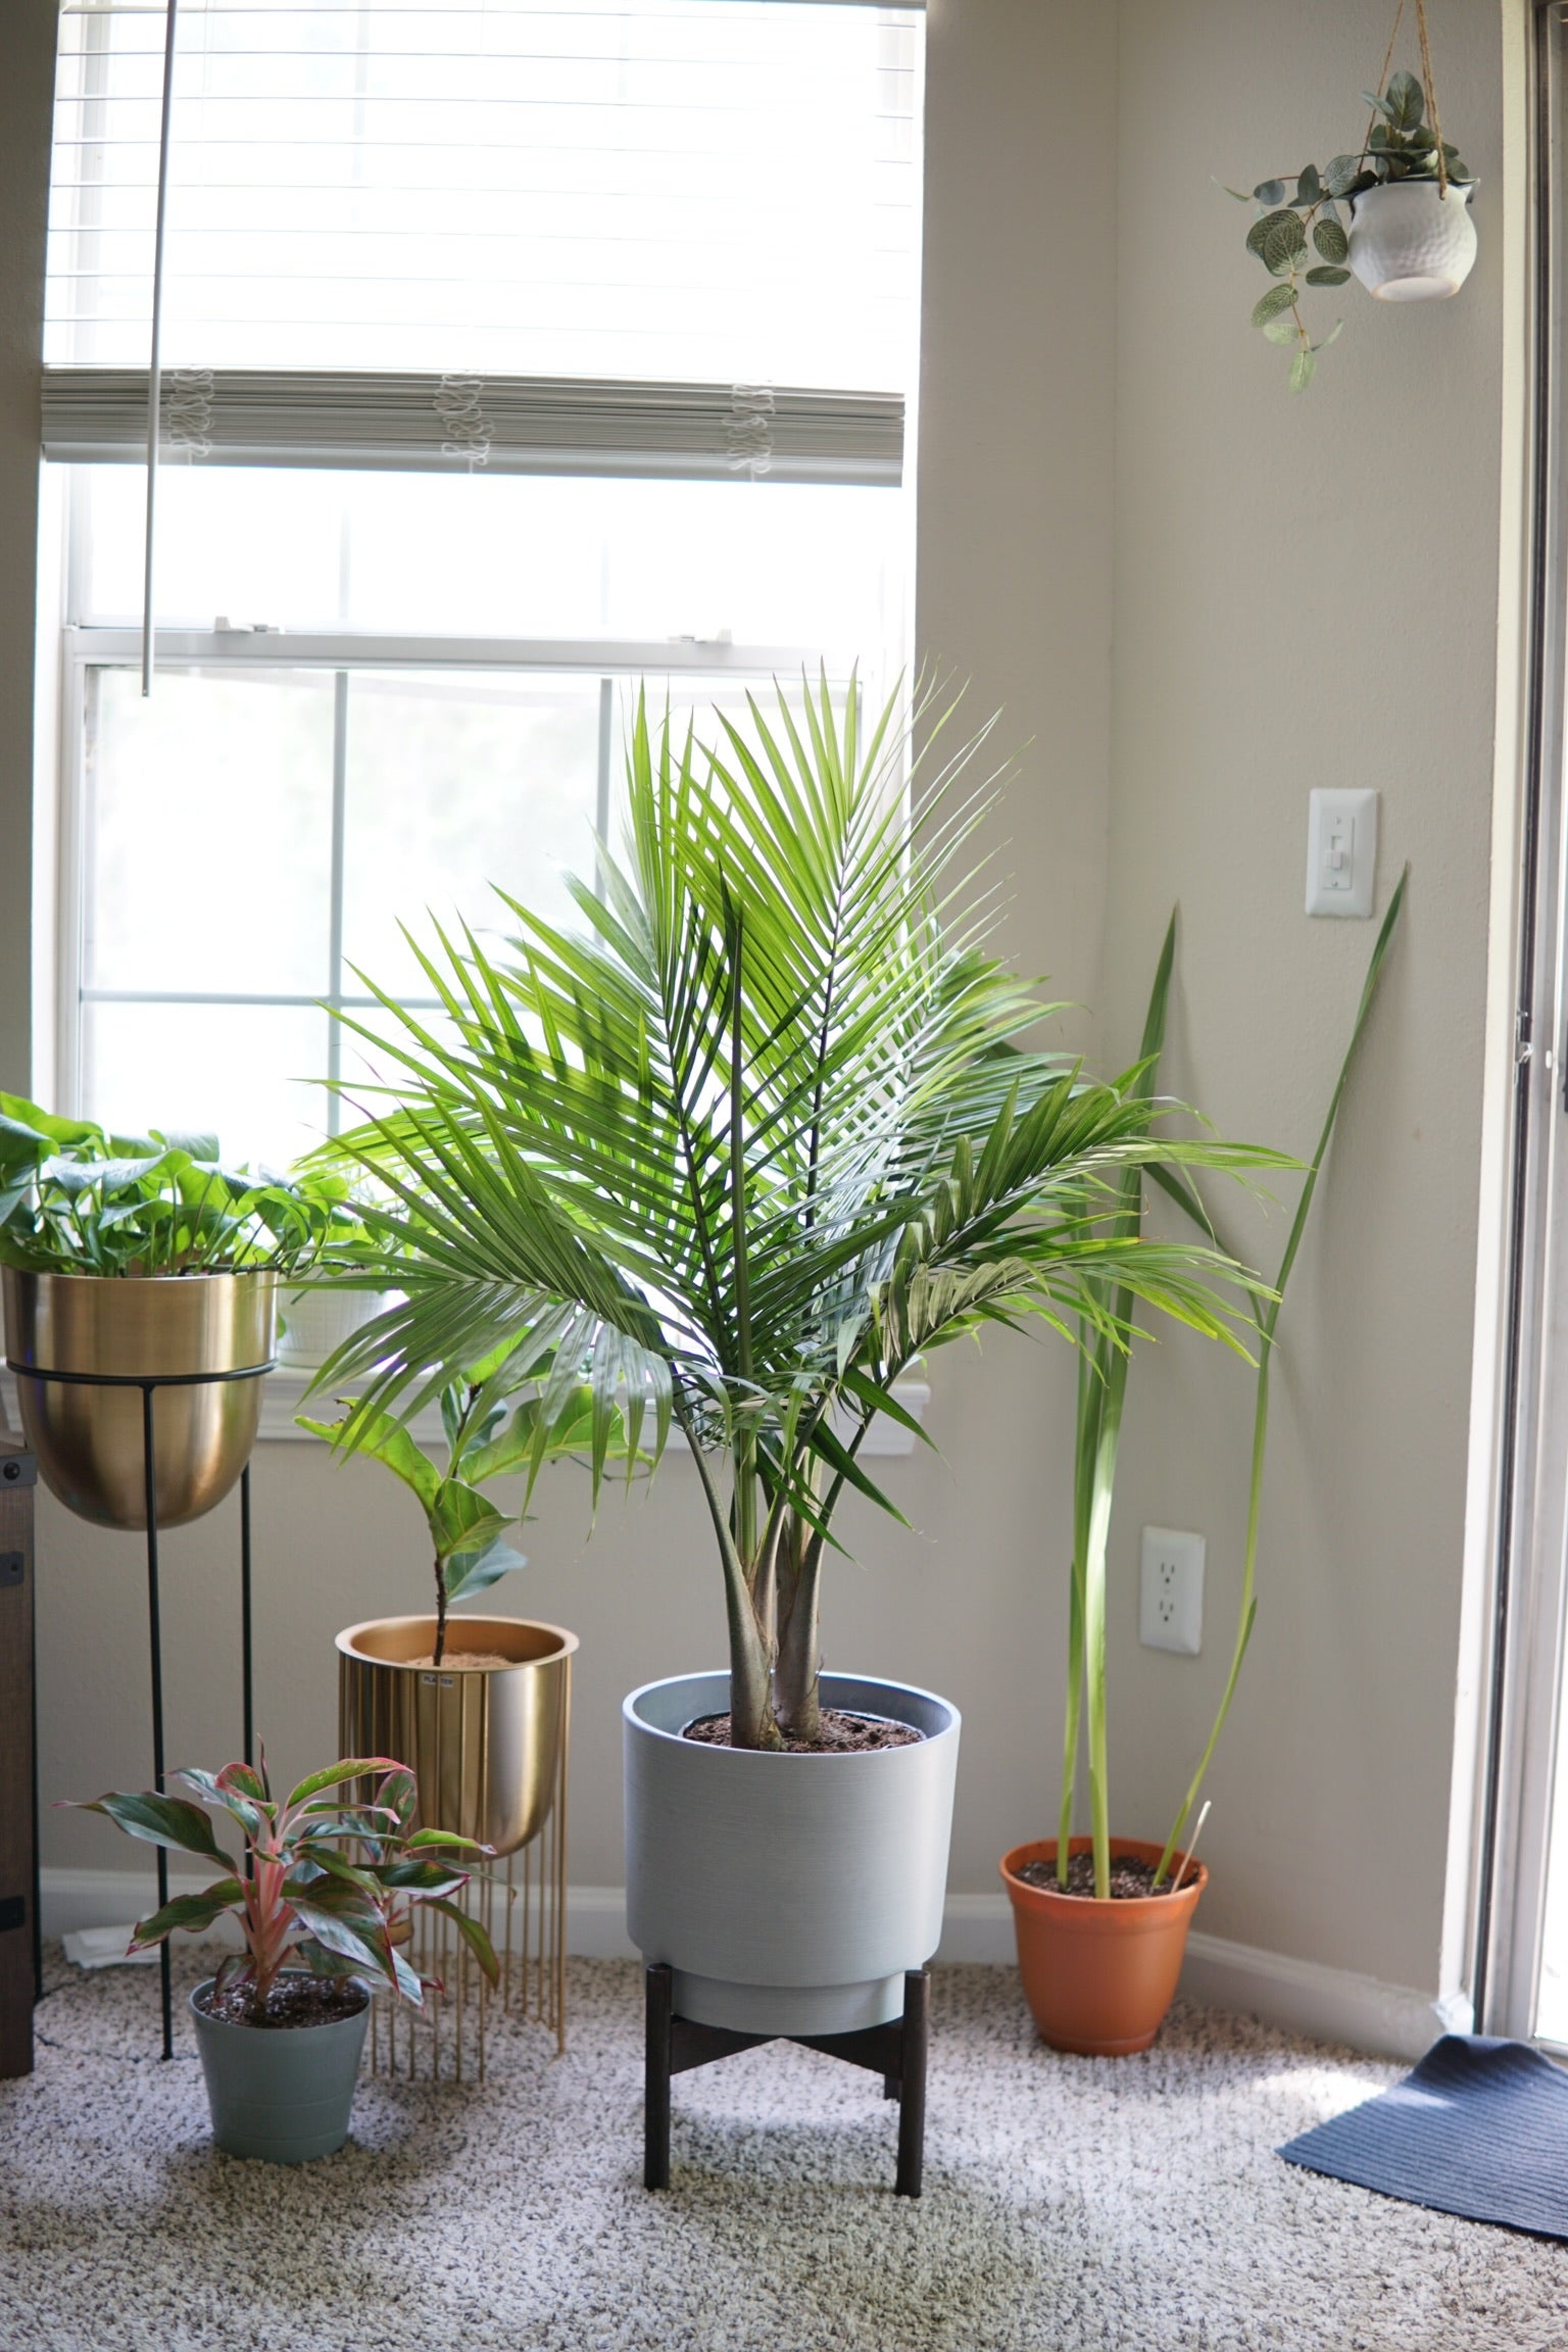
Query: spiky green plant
(1101, 1396)
(750, 1142)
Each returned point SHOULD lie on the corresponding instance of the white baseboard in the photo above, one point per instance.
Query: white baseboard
(978, 1928)
(72, 1899)
(1331, 2004)
(1328, 2004)
(597, 1923)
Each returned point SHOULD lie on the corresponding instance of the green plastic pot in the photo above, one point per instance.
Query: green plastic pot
(280, 2092)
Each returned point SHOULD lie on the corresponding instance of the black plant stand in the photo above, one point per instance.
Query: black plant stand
(149, 1386)
(896, 2052)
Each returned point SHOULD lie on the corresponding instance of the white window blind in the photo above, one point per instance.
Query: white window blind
(515, 425)
(614, 235)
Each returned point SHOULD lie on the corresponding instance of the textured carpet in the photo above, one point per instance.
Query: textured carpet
(1479, 2127)
(1135, 2204)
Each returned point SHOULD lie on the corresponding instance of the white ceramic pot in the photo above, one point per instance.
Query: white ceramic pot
(317, 1318)
(1410, 243)
(789, 1894)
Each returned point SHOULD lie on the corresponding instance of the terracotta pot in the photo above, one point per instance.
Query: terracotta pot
(1099, 1976)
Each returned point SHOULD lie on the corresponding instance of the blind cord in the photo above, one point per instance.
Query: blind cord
(154, 368)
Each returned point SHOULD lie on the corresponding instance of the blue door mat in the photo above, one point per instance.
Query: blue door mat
(1480, 2128)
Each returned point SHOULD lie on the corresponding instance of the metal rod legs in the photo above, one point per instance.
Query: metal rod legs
(246, 1653)
(155, 1643)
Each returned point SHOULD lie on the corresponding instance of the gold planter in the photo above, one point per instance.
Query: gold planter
(183, 1328)
(484, 1743)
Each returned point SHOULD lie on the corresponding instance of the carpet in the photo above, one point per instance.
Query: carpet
(1479, 2128)
(1071, 2205)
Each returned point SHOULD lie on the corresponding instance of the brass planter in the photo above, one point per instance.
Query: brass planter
(183, 1328)
(483, 1742)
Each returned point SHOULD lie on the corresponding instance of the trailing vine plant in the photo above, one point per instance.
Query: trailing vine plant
(1399, 143)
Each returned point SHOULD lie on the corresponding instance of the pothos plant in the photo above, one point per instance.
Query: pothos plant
(1290, 229)
(749, 1140)
(75, 1199)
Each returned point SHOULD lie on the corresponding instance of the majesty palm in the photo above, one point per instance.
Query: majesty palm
(745, 1146)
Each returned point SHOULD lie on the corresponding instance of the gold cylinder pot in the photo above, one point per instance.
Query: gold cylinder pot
(483, 1742)
(182, 1328)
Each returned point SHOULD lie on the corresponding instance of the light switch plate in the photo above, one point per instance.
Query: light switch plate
(1170, 1598)
(1341, 851)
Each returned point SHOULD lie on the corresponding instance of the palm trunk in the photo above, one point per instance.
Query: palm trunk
(751, 1722)
(796, 1689)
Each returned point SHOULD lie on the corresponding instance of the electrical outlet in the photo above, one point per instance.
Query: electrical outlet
(1170, 1601)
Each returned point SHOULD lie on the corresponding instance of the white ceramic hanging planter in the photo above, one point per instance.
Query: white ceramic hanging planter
(1412, 241)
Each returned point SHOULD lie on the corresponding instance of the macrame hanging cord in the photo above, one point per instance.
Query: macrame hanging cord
(1431, 87)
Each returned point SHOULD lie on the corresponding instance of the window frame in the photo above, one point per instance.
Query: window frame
(86, 647)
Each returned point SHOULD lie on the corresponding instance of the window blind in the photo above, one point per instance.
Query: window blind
(698, 191)
(515, 425)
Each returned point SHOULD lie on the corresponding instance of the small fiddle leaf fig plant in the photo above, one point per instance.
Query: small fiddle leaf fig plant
(484, 1441)
(325, 1884)
(1302, 238)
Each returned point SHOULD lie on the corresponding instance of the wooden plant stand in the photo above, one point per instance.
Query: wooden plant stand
(897, 2052)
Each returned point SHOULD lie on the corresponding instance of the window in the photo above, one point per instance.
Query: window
(512, 354)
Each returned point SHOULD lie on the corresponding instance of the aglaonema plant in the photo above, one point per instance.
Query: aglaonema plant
(1101, 1397)
(322, 1882)
(755, 1137)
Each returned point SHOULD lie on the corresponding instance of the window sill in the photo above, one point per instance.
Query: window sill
(283, 1394)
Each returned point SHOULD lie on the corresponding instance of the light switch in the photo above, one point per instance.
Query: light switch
(1341, 852)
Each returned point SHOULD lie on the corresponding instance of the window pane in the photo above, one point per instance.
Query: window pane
(455, 785)
(244, 1070)
(774, 563)
(208, 831)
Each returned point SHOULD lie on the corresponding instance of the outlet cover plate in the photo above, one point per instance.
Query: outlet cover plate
(1171, 1597)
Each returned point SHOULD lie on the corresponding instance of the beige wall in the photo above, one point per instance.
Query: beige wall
(1306, 593)
(1301, 590)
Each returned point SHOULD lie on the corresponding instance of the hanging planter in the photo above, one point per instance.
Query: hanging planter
(1412, 241)
(1394, 213)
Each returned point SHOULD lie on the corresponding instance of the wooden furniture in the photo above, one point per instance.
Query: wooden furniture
(896, 2052)
(20, 1942)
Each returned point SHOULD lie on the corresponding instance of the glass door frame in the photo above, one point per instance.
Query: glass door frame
(1529, 1601)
